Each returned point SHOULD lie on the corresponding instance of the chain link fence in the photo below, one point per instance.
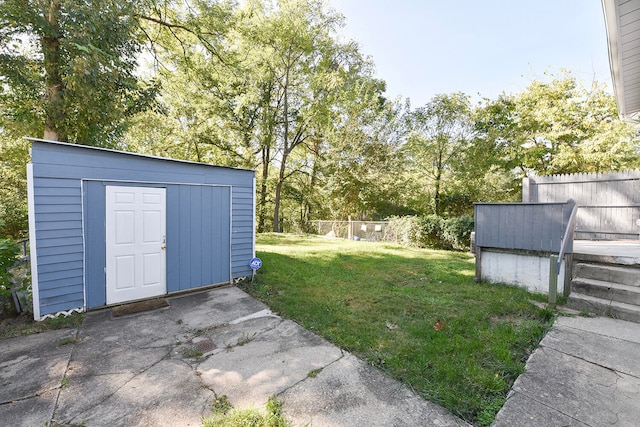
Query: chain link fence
(368, 231)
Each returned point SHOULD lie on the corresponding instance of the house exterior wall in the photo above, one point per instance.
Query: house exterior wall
(206, 206)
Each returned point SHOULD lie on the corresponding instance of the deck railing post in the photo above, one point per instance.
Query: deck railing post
(553, 280)
(478, 254)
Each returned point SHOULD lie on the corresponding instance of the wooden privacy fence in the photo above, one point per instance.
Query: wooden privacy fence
(543, 229)
(609, 202)
(536, 227)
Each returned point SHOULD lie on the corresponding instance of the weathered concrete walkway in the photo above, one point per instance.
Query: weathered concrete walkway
(585, 373)
(164, 368)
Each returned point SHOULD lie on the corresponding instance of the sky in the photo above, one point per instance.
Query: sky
(480, 47)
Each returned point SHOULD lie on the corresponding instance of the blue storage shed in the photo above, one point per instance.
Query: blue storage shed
(108, 227)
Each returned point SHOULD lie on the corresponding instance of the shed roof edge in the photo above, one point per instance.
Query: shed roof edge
(109, 150)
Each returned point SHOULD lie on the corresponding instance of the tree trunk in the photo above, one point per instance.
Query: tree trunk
(262, 213)
(438, 179)
(285, 153)
(276, 208)
(312, 184)
(54, 86)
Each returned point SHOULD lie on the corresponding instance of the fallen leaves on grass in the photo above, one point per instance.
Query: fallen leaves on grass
(439, 325)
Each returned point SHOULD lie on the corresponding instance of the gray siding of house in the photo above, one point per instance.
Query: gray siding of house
(69, 208)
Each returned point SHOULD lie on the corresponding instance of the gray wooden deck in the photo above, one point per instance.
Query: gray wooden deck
(618, 251)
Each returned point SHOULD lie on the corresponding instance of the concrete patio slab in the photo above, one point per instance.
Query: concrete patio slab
(38, 361)
(198, 311)
(166, 367)
(595, 349)
(530, 412)
(167, 393)
(31, 370)
(603, 326)
(267, 364)
(30, 411)
(350, 389)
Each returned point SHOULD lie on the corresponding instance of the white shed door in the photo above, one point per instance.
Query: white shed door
(135, 243)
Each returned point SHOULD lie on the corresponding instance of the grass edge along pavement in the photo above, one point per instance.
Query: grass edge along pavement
(417, 314)
(24, 324)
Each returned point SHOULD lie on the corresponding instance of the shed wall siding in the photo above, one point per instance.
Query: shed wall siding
(69, 179)
(58, 221)
(242, 230)
(198, 251)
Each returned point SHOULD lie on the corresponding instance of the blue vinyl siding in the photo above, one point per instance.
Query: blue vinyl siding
(202, 238)
(58, 211)
(69, 209)
(95, 236)
(60, 266)
(242, 226)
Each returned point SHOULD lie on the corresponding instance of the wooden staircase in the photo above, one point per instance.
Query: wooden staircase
(606, 286)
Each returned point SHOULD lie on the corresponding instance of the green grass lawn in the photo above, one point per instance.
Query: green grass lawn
(416, 314)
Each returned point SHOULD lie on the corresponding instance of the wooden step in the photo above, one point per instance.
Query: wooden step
(606, 290)
(600, 307)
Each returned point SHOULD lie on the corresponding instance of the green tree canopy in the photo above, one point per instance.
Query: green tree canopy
(439, 132)
(270, 85)
(67, 68)
(559, 126)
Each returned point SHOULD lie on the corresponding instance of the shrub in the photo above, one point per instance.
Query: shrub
(404, 230)
(431, 227)
(457, 232)
(9, 251)
(430, 231)
(418, 231)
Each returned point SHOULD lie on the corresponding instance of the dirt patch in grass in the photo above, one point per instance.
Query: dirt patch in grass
(139, 307)
(513, 320)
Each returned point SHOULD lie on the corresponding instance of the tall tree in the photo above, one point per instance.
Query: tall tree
(68, 65)
(296, 38)
(560, 126)
(440, 131)
(219, 103)
(363, 166)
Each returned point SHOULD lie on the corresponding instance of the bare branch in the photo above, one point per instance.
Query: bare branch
(199, 35)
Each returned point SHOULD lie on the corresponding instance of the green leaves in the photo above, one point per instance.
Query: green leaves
(9, 251)
(559, 126)
(77, 75)
(271, 86)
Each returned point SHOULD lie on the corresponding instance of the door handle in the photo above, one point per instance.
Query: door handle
(163, 247)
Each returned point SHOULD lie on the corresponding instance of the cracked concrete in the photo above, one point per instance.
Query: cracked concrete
(147, 369)
(585, 373)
